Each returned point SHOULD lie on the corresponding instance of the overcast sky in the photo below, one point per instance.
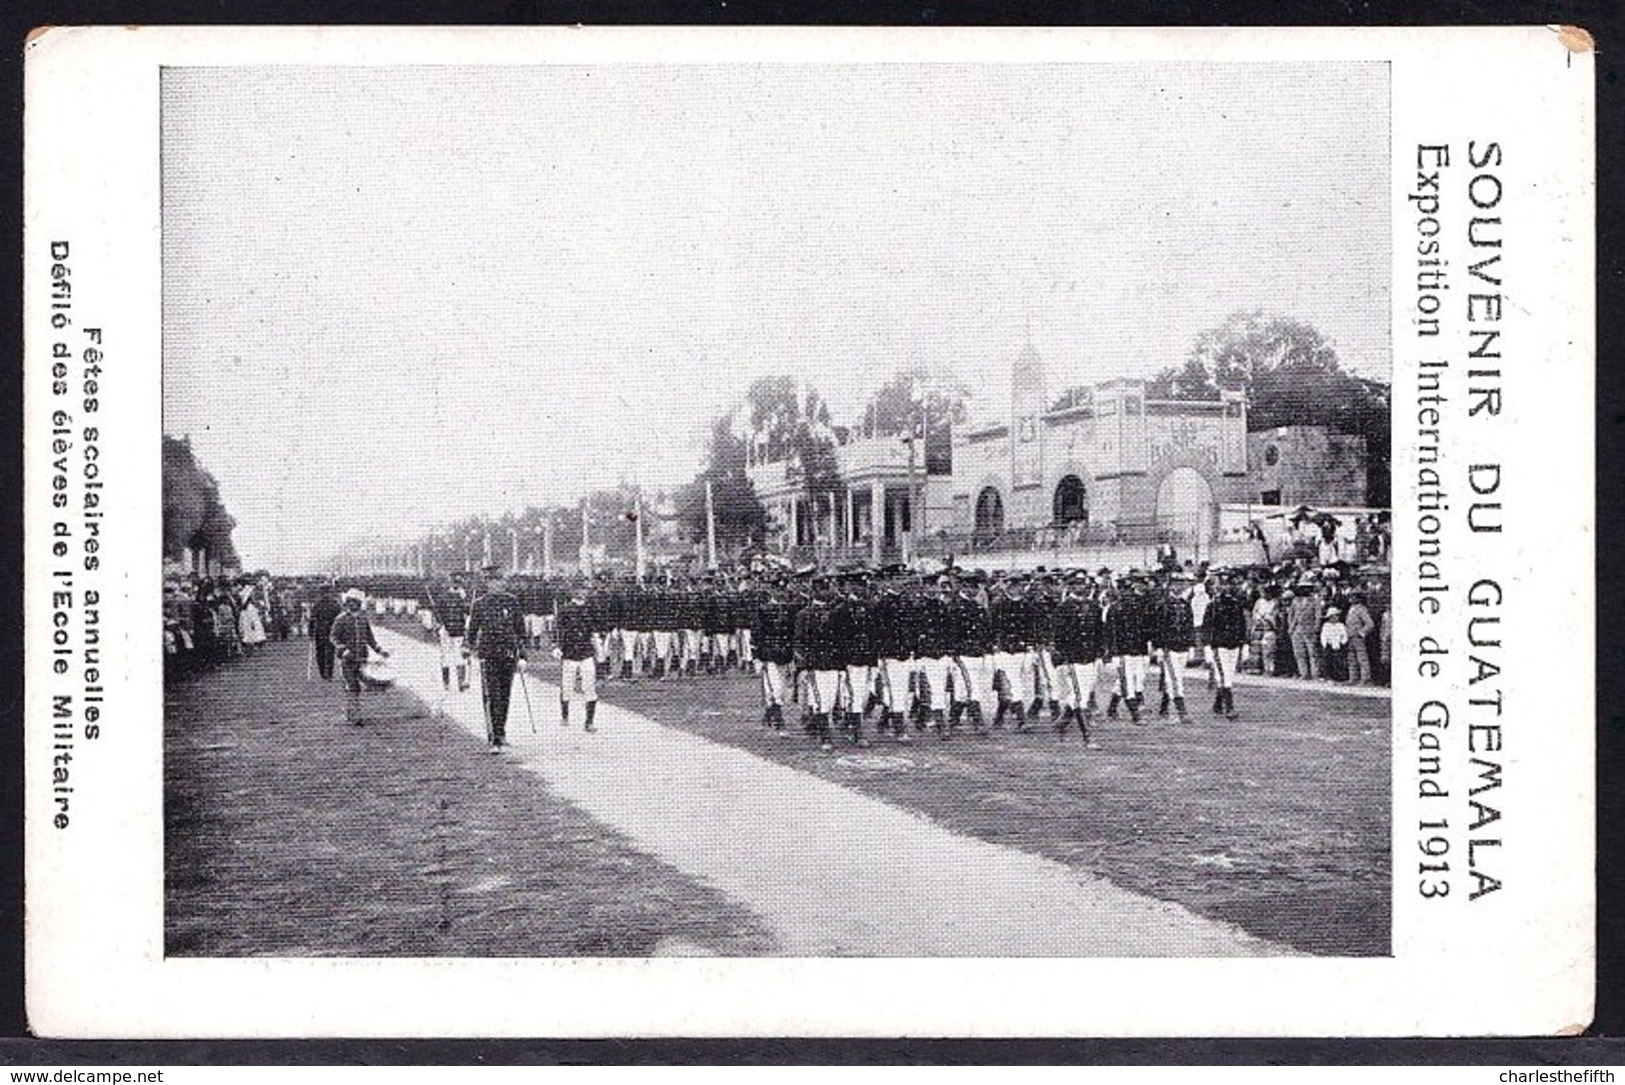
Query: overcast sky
(395, 296)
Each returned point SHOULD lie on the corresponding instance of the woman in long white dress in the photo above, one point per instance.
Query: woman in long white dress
(252, 625)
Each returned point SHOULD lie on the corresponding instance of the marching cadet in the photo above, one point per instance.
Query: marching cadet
(774, 638)
(817, 656)
(742, 607)
(573, 647)
(973, 654)
(1127, 638)
(691, 616)
(1173, 635)
(891, 636)
(1010, 620)
(601, 626)
(1227, 624)
(616, 605)
(936, 653)
(716, 627)
(663, 619)
(451, 622)
(1041, 603)
(852, 638)
(635, 630)
(1079, 644)
(495, 635)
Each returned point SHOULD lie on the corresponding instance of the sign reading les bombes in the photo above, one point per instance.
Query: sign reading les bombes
(1459, 737)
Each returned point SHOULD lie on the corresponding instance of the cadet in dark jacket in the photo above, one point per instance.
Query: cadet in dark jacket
(774, 636)
(496, 637)
(450, 607)
(892, 636)
(1173, 635)
(1079, 645)
(973, 653)
(1041, 602)
(817, 655)
(1127, 640)
(663, 619)
(716, 626)
(1010, 617)
(742, 614)
(691, 611)
(1227, 625)
(935, 621)
(573, 647)
(853, 641)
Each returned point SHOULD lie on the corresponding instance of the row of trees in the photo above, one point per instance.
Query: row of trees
(778, 420)
(195, 520)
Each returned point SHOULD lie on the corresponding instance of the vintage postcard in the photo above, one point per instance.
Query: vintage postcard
(701, 532)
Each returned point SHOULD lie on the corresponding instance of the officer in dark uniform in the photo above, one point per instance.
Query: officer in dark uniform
(323, 612)
(496, 637)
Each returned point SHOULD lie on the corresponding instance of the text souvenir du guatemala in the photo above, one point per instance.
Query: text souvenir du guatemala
(1456, 201)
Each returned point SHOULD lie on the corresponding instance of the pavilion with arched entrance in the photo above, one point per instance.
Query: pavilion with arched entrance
(1107, 464)
(1070, 504)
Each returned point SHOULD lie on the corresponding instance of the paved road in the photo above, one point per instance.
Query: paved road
(830, 871)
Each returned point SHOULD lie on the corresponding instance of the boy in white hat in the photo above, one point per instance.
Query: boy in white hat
(352, 639)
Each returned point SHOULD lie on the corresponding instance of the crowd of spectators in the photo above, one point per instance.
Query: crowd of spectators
(212, 620)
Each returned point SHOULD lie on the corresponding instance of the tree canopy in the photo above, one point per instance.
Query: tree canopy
(740, 517)
(194, 517)
(1292, 377)
(914, 396)
(788, 425)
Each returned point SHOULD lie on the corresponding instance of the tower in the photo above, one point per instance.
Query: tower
(1027, 404)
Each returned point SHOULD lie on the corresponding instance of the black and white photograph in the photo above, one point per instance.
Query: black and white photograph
(679, 532)
(792, 510)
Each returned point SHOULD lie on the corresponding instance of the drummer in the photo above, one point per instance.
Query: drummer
(353, 639)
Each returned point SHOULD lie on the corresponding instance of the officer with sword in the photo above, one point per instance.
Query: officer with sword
(495, 635)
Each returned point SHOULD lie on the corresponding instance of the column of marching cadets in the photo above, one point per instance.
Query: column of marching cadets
(889, 652)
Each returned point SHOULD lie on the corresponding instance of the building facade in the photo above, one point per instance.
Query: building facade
(1107, 466)
(1110, 465)
(887, 495)
(1307, 465)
